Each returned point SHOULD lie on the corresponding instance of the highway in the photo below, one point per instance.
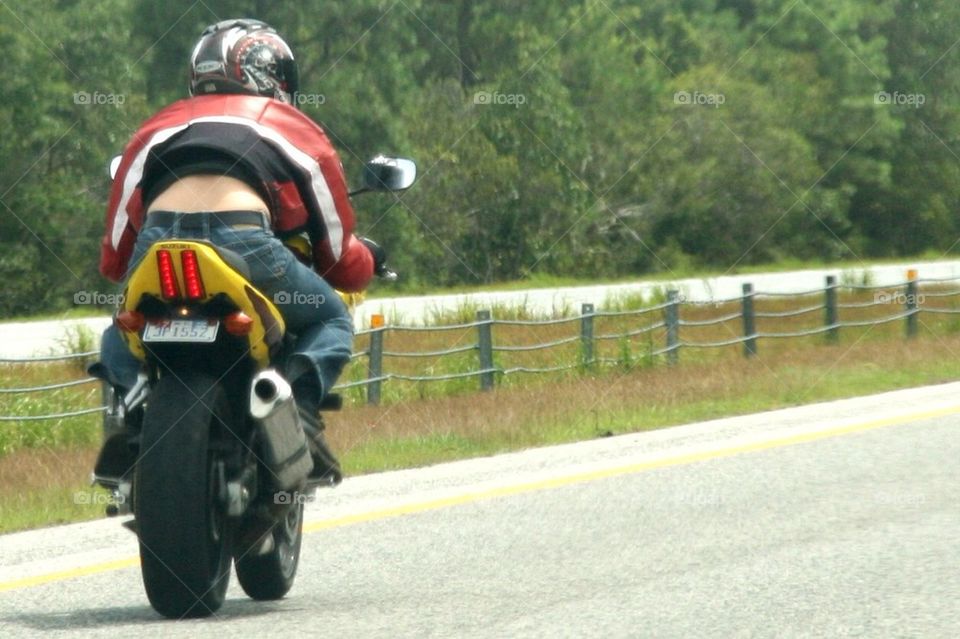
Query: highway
(831, 520)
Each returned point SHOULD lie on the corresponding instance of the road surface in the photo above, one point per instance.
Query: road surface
(831, 520)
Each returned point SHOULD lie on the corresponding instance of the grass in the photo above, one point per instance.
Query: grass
(439, 429)
(76, 312)
(44, 464)
(47, 486)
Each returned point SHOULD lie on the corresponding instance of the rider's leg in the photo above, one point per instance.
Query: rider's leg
(311, 308)
(319, 319)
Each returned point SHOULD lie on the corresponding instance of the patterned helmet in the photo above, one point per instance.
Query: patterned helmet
(243, 56)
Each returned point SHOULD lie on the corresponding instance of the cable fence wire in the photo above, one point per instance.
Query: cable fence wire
(38, 389)
(785, 314)
(711, 322)
(816, 291)
(635, 332)
(854, 305)
(46, 358)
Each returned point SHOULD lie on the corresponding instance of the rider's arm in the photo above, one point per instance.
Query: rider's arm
(124, 214)
(339, 257)
(353, 271)
(123, 217)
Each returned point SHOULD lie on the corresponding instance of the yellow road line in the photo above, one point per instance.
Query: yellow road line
(630, 469)
(38, 580)
(529, 487)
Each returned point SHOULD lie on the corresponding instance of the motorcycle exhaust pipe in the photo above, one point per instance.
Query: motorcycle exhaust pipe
(284, 450)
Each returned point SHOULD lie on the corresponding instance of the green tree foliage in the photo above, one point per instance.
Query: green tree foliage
(580, 138)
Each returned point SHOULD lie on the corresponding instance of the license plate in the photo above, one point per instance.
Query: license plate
(181, 331)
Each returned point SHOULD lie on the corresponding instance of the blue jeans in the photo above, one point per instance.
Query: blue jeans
(311, 308)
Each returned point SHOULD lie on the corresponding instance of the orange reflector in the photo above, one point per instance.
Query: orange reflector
(377, 321)
(129, 321)
(168, 277)
(238, 323)
(191, 275)
(912, 274)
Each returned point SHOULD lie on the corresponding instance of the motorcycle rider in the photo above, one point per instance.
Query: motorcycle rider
(237, 164)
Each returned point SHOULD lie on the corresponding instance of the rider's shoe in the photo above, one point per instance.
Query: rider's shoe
(326, 468)
(121, 431)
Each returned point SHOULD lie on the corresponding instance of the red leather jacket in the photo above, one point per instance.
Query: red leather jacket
(301, 176)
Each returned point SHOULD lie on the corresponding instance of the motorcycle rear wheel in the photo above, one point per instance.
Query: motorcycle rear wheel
(270, 576)
(184, 549)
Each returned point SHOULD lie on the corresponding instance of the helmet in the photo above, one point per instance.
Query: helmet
(243, 56)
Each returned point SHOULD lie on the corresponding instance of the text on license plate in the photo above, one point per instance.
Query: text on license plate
(181, 331)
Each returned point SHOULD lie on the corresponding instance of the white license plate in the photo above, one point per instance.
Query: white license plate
(181, 331)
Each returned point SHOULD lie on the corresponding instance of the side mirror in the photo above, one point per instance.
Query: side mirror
(389, 174)
(114, 166)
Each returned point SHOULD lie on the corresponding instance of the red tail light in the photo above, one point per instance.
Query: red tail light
(168, 277)
(130, 321)
(191, 275)
(238, 323)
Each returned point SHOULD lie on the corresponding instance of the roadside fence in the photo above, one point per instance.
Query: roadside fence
(665, 330)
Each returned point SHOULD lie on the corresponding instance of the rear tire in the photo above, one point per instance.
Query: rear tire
(270, 576)
(184, 549)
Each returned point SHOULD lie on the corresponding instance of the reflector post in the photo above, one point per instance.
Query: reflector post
(191, 275)
(168, 277)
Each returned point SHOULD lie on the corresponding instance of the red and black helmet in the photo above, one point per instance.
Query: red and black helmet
(243, 56)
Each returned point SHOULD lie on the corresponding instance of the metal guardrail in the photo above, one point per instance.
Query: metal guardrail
(665, 316)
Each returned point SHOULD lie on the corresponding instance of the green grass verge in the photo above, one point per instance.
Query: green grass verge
(455, 421)
(797, 386)
(51, 506)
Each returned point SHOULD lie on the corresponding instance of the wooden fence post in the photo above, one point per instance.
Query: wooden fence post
(830, 309)
(375, 360)
(672, 320)
(485, 344)
(749, 322)
(912, 303)
(586, 335)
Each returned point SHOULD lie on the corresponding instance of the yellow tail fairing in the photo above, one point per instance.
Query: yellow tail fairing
(219, 278)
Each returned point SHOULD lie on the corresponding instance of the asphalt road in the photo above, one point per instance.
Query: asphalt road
(832, 520)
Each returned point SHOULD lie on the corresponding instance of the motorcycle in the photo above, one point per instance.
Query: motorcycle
(206, 451)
